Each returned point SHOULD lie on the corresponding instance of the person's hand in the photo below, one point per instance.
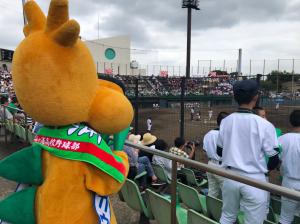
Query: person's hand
(193, 147)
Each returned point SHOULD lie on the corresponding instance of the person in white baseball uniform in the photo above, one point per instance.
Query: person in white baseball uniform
(290, 168)
(149, 124)
(215, 182)
(244, 141)
(210, 114)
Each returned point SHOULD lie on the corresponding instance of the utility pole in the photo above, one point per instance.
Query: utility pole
(24, 16)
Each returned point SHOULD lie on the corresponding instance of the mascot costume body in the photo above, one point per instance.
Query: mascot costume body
(70, 171)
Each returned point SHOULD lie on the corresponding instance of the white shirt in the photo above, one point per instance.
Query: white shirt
(290, 166)
(210, 144)
(246, 139)
(149, 124)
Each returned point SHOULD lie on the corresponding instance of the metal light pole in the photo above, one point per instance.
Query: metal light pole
(239, 63)
(258, 78)
(278, 75)
(189, 4)
(24, 17)
(188, 44)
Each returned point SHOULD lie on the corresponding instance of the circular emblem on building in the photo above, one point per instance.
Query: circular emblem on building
(110, 53)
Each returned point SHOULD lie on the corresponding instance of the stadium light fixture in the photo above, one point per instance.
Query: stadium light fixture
(194, 4)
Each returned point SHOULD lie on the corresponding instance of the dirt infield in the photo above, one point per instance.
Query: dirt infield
(166, 121)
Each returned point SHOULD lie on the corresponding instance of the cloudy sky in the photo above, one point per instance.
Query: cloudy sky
(264, 29)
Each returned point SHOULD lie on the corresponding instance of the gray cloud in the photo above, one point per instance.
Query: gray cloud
(161, 24)
(135, 17)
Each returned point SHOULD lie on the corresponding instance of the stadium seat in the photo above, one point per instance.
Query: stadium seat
(136, 180)
(7, 125)
(137, 177)
(22, 133)
(276, 205)
(30, 136)
(160, 173)
(274, 209)
(17, 130)
(134, 199)
(161, 209)
(11, 126)
(268, 222)
(192, 180)
(197, 218)
(214, 208)
(191, 198)
(296, 220)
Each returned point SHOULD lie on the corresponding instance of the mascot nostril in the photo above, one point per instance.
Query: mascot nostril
(69, 170)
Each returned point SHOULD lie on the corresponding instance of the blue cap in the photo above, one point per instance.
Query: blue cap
(245, 88)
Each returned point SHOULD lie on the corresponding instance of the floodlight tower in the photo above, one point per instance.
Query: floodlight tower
(189, 4)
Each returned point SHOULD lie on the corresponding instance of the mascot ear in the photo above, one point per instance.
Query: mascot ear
(63, 31)
(35, 16)
(67, 34)
(58, 14)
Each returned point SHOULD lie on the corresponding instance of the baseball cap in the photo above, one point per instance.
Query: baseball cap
(245, 90)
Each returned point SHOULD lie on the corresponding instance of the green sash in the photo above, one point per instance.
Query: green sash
(81, 143)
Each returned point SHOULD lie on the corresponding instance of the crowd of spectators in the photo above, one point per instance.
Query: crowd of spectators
(8, 99)
(171, 86)
(6, 85)
(143, 162)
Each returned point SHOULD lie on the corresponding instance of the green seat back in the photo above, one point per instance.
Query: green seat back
(161, 209)
(241, 217)
(192, 180)
(8, 125)
(197, 218)
(191, 198)
(133, 198)
(276, 205)
(190, 176)
(268, 222)
(296, 220)
(275, 209)
(30, 136)
(17, 130)
(214, 208)
(160, 173)
(22, 133)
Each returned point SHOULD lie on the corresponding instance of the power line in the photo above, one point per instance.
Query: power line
(118, 47)
(153, 50)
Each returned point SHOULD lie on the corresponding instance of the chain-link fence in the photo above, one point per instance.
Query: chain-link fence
(202, 67)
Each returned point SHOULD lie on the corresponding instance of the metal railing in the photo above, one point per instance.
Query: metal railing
(215, 170)
(279, 190)
(4, 118)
